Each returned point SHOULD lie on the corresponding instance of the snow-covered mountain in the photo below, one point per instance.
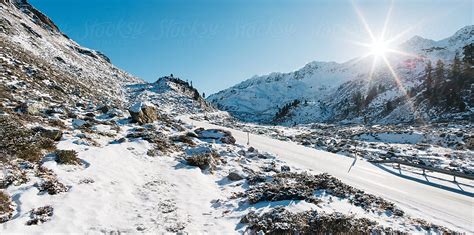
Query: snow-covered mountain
(40, 63)
(170, 95)
(88, 148)
(323, 91)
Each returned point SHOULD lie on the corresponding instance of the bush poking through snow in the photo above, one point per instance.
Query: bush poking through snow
(302, 186)
(281, 221)
(19, 142)
(205, 161)
(40, 215)
(161, 142)
(67, 157)
(52, 186)
(12, 175)
(184, 139)
(5, 208)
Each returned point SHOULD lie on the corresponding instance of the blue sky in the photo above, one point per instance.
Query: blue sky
(218, 43)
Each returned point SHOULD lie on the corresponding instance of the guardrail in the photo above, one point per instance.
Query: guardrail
(424, 168)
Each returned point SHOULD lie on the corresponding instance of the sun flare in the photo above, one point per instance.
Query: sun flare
(378, 48)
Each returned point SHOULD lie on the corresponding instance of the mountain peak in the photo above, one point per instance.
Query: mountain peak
(464, 35)
(418, 42)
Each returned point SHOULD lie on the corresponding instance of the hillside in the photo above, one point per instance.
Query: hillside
(88, 148)
(333, 92)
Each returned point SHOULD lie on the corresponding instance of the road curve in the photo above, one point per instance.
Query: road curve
(435, 198)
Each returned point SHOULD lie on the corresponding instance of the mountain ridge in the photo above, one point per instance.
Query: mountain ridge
(261, 97)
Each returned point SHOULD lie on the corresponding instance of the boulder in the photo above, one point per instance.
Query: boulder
(143, 113)
(235, 176)
(470, 143)
(285, 168)
(223, 136)
(30, 108)
(77, 123)
(51, 134)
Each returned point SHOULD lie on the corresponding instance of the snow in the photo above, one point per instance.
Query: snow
(137, 107)
(403, 138)
(438, 200)
(121, 187)
(327, 88)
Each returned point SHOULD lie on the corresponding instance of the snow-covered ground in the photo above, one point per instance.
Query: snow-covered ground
(435, 197)
(126, 182)
(445, 146)
(74, 160)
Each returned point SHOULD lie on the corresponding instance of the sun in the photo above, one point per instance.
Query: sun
(378, 48)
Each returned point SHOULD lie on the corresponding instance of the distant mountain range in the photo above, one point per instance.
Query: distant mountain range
(325, 91)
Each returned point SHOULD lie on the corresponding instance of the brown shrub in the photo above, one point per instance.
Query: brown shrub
(5, 207)
(205, 160)
(68, 157)
(19, 142)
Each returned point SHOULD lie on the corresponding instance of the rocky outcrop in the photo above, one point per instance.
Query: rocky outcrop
(51, 134)
(38, 17)
(143, 113)
(216, 135)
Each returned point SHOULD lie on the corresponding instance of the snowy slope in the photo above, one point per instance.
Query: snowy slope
(73, 161)
(45, 49)
(443, 204)
(170, 95)
(325, 89)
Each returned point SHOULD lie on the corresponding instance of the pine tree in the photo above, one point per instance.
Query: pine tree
(429, 79)
(371, 95)
(389, 106)
(467, 72)
(438, 79)
(468, 52)
(203, 95)
(455, 73)
(358, 100)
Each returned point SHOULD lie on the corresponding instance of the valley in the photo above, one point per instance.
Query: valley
(86, 147)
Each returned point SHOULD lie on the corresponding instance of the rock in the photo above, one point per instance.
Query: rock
(77, 123)
(90, 115)
(143, 113)
(215, 134)
(470, 143)
(228, 139)
(203, 157)
(103, 109)
(115, 112)
(235, 176)
(51, 134)
(285, 168)
(30, 108)
(251, 149)
(192, 134)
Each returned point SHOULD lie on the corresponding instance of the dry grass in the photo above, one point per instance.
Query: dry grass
(19, 142)
(5, 207)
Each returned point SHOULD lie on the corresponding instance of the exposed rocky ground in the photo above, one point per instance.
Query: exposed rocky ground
(441, 145)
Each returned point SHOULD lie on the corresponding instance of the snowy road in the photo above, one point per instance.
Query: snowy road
(434, 198)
